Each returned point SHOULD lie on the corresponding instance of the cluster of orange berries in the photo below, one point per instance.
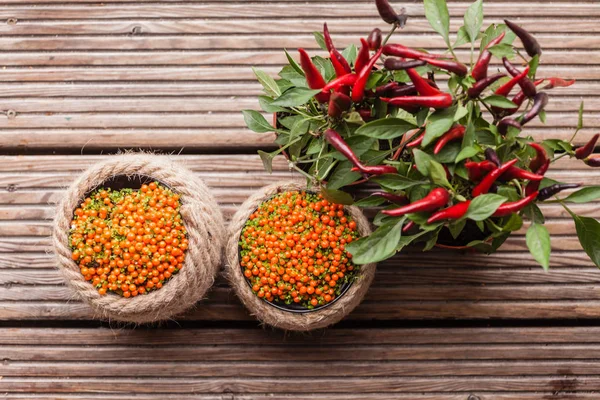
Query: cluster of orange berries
(293, 249)
(129, 241)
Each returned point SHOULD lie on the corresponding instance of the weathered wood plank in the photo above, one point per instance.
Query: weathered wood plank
(320, 10)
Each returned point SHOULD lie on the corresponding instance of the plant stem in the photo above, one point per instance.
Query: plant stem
(559, 157)
(389, 35)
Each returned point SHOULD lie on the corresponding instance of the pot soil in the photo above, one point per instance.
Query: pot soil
(284, 317)
(201, 217)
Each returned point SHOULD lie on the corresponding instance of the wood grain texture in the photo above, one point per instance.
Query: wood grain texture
(85, 78)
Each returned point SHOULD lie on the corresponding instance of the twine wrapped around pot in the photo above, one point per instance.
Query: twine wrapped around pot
(203, 222)
(265, 312)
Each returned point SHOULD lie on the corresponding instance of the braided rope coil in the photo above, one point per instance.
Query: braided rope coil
(204, 225)
(270, 315)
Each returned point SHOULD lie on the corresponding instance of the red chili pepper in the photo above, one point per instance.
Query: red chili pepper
(374, 39)
(540, 158)
(514, 206)
(399, 50)
(557, 82)
(397, 64)
(338, 104)
(487, 182)
(417, 141)
(363, 56)
(526, 85)
(408, 226)
(455, 212)
(442, 100)
(479, 86)
(335, 140)
(518, 100)
(518, 173)
(539, 103)
(394, 198)
(533, 186)
(338, 66)
(422, 86)
(478, 170)
(550, 191)
(454, 133)
(313, 76)
(593, 162)
(407, 90)
(588, 149)
(481, 66)
(505, 89)
(376, 169)
(452, 66)
(346, 80)
(436, 199)
(358, 91)
(505, 123)
(531, 46)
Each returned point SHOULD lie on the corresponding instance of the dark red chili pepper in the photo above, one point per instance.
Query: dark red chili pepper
(588, 149)
(514, 206)
(399, 50)
(385, 90)
(338, 143)
(550, 191)
(505, 123)
(436, 199)
(346, 80)
(359, 87)
(505, 89)
(457, 211)
(539, 102)
(374, 39)
(376, 169)
(455, 133)
(328, 42)
(363, 57)
(526, 84)
(365, 114)
(531, 46)
(593, 162)
(487, 182)
(422, 86)
(557, 82)
(533, 186)
(518, 173)
(338, 104)
(394, 198)
(417, 141)
(452, 66)
(479, 86)
(407, 90)
(313, 76)
(396, 64)
(442, 100)
(388, 14)
(478, 170)
(540, 158)
(408, 226)
(481, 66)
(340, 65)
(492, 156)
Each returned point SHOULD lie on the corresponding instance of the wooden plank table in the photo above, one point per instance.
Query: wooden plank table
(83, 79)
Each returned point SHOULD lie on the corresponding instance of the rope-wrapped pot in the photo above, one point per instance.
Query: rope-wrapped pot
(276, 316)
(203, 222)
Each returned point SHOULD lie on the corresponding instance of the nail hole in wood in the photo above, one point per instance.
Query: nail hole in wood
(136, 30)
(12, 21)
(11, 114)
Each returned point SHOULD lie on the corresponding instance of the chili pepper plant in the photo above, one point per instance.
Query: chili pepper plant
(443, 137)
